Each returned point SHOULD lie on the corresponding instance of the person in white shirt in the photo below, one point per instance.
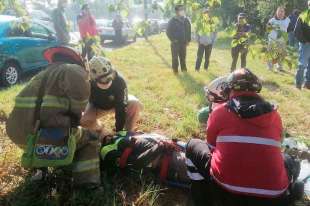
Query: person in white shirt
(277, 26)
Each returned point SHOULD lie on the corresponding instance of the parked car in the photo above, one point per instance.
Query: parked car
(154, 26)
(21, 47)
(107, 32)
(42, 16)
(163, 24)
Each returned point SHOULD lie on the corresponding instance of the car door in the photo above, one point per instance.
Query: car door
(42, 38)
(18, 41)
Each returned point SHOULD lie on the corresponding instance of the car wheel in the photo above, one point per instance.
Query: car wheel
(10, 74)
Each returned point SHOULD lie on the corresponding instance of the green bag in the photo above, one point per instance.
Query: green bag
(47, 155)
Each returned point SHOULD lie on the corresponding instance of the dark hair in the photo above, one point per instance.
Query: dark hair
(64, 59)
(178, 7)
(296, 12)
(85, 6)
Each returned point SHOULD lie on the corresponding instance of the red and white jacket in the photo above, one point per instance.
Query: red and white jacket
(247, 157)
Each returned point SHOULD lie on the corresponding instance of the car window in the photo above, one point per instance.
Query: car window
(16, 30)
(39, 31)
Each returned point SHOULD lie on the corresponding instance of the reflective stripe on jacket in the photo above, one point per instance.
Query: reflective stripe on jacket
(66, 92)
(247, 157)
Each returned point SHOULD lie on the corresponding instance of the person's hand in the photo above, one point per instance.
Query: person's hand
(105, 137)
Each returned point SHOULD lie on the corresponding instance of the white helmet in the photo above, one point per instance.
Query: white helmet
(101, 70)
(218, 90)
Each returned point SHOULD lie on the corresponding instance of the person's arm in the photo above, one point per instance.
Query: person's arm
(299, 31)
(169, 30)
(121, 100)
(214, 35)
(212, 130)
(188, 30)
(287, 23)
(77, 88)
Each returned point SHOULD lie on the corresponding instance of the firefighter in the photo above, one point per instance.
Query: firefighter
(109, 95)
(56, 97)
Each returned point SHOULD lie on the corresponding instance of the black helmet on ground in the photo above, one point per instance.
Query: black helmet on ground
(217, 91)
(244, 80)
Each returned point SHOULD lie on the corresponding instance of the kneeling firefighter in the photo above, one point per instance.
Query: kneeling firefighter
(241, 163)
(46, 117)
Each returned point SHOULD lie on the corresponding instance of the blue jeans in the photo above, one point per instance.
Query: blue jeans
(303, 72)
(293, 42)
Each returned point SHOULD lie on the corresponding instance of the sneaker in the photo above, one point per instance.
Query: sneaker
(307, 85)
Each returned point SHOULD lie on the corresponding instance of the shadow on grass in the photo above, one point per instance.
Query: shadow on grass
(192, 86)
(157, 53)
(270, 85)
(223, 42)
(129, 189)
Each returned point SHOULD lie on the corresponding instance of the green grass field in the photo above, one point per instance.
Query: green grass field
(170, 106)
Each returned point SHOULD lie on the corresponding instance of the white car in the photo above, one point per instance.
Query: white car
(106, 30)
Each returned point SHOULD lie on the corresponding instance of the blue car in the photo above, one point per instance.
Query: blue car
(21, 47)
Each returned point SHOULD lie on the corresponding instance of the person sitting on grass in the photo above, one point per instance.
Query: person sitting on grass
(240, 42)
(109, 94)
(241, 163)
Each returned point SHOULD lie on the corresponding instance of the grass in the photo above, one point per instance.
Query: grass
(170, 106)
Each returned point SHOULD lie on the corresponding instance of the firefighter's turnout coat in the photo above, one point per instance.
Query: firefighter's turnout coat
(66, 91)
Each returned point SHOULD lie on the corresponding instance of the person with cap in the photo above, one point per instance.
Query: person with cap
(240, 42)
(205, 39)
(60, 22)
(179, 34)
(241, 162)
(51, 107)
(88, 31)
(302, 33)
(109, 94)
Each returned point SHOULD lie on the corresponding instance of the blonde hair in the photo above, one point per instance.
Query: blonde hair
(278, 9)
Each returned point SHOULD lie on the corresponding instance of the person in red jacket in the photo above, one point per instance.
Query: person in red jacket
(241, 162)
(88, 30)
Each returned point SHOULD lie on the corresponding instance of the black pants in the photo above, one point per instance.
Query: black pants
(87, 50)
(118, 36)
(205, 191)
(178, 51)
(243, 50)
(203, 50)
